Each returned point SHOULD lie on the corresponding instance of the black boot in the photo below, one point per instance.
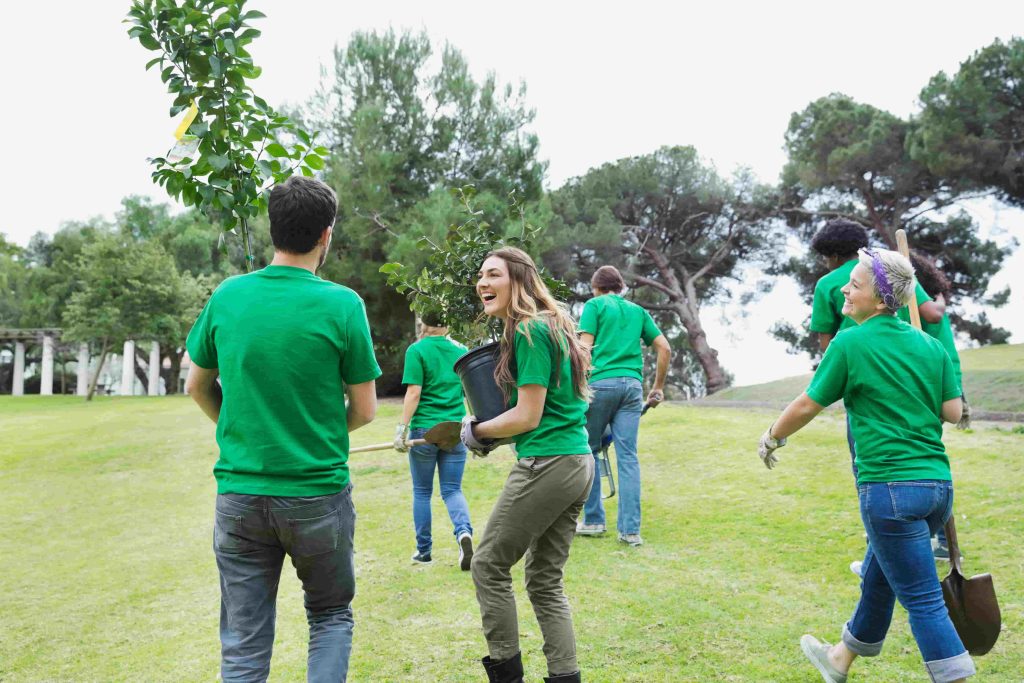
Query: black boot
(508, 671)
(563, 678)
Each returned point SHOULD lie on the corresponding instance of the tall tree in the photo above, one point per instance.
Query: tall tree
(848, 159)
(676, 229)
(403, 129)
(972, 123)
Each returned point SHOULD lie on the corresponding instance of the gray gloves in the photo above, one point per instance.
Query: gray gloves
(479, 447)
(766, 448)
(965, 417)
(400, 444)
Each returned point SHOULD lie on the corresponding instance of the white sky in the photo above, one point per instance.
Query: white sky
(608, 80)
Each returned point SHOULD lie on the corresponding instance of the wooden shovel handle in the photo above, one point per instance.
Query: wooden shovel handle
(904, 247)
(385, 446)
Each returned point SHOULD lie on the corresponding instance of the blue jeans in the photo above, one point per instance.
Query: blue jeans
(617, 401)
(251, 536)
(450, 464)
(900, 518)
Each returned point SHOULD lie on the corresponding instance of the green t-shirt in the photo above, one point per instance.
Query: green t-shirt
(943, 331)
(893, 380)
(618, 327)
(827, 310)
(922, 297)
(563, 424)
(430, 363)
(286, 344)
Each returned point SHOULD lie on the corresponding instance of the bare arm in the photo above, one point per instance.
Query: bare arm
(796, 416)
(932, 311)
(202, 386)
(362, 404)
(587, 339)
(525, 416)
(661, 346)
(952, 410)
(824, 339)
(411, 402)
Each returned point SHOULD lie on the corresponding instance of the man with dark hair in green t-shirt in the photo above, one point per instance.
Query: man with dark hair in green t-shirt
(287, 347)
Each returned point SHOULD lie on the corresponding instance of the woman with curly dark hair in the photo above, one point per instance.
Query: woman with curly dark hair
(544, 368)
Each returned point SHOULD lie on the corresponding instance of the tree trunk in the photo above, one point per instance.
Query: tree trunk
(99, 368)
(706, 356)
(171, 376)
(140, 371)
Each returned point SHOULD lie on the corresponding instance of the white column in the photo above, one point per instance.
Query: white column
(154, 369)
(46, 379)
(128, 369)
(18, 386)
(83, 369)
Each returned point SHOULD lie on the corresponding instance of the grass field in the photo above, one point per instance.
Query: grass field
(108, 573)
(993, 380)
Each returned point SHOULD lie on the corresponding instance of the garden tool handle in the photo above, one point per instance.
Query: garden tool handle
(385, 446)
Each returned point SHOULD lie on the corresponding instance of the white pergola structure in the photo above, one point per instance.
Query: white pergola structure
(47, 336)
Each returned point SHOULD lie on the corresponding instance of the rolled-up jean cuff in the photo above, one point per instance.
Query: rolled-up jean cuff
(951, 668)
(858, 648)
(500, 650)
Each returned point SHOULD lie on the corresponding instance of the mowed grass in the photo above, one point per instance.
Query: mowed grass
(993, 379)
(108, 572)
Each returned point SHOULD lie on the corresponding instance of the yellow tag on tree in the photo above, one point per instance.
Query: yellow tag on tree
(190, 116)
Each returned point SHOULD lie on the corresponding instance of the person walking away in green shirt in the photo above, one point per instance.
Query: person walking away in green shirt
(614, 329)
(543, 368)
(288, 348)
(899, 386)
(434, 394)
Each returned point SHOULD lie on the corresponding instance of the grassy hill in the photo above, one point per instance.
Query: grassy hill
(108, 572)
(993, 380)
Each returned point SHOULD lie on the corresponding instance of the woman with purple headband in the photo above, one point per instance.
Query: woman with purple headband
(898, 385)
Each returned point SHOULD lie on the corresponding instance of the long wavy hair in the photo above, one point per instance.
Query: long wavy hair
(531, 300)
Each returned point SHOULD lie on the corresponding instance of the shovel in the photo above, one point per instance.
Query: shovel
(604, 463)
(444, 435)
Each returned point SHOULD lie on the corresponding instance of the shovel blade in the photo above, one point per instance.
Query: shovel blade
(444, 435)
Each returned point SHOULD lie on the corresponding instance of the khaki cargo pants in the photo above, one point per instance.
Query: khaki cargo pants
(535, 516)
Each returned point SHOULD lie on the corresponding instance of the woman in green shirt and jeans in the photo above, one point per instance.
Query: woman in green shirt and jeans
(898, 385)
(536, 513)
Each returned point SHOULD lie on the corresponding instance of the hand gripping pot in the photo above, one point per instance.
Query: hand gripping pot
(971, 603)
(476, 370)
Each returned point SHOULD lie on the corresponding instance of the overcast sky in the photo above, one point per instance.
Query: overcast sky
(608, 80)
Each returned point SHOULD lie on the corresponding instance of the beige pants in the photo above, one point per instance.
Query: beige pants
(535, 516)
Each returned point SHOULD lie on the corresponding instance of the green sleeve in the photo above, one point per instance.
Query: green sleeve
(824, 318)
(950, 386)
(588, 319)
(829, 382)
(412, 371)
(358, 364)
(201, 348)
(534, 358)
(650, 330)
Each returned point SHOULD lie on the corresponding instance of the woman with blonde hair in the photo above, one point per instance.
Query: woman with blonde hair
(543, 368)
(898, 385)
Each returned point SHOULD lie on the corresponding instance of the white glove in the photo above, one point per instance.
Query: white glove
(480, 448)
(766, 448)
(400, 444)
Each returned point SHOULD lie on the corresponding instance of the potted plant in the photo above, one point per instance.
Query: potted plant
(446, 287)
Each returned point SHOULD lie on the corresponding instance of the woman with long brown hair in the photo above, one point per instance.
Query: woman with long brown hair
(543, 367)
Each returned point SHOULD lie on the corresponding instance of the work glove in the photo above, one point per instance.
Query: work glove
(766, 449)
(400, 444)
(480, 447)
(654, 398)
(965, 417)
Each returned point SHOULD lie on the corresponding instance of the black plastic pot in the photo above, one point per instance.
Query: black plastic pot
(476, 370)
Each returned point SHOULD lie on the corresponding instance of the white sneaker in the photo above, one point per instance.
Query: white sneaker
(632, 539)
(589, 529)
(465, 550)
(857, 568)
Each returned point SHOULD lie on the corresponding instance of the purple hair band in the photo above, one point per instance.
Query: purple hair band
(881, 281)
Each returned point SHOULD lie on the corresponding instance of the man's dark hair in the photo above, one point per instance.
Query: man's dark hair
(608, 279)
(300, 210)
(933, 280)
(840, 237)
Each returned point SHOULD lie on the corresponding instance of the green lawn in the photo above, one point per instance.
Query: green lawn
(108, 574)
(993, 380)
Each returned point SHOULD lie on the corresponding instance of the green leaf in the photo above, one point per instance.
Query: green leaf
(253, 14)
(306, 171)
(215, 66)
(229, 45)
(277, 150)
(314, 162)
(148, 41)
(217, 161)
(226, 200)
(151, 62)
(322, 151)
